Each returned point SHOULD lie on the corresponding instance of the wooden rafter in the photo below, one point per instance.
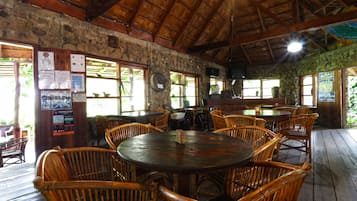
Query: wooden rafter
(245, 54)
(265, 10)
(208, 19)
(281, 31)
(163, 19)
(132, 19)
(194, 10)
(97, 8)
(264, 29)
(315, 41)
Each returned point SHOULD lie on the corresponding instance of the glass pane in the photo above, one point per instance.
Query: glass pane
(98, 86)
(251, 92)
(307, 100)
(271, 83)
(176, 102)
(216, 86)
(307, 90)
(101, 68)
(191, 100)
(251, 83)
(267, 93)
(102, 106)
(176, 90)
(133, 103)
(307, 80)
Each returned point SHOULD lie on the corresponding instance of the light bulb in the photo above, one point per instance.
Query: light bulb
(294, 46)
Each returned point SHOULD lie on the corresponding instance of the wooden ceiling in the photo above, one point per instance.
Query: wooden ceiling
(254, 32)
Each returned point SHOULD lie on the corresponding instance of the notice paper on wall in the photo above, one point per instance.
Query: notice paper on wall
(63, 122)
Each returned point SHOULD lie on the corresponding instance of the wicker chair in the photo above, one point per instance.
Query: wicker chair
(297, 128)
(254, 135)
(239, 120)
(218, 119)
(91, 174)
(266, 180)
(168, 195)
(120, 133)
(263, 140)
(161, 121)
(260, 122)
(13, 149)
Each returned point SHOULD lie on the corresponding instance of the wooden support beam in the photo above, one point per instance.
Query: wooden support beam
(163, 19)
(208, 19)
(267, 41)
(131, 21)
(97, 8)
(190, 17)
(281, 31)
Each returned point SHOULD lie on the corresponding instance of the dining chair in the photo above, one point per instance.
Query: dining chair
(169, 195)
(93, 174)
(264, 142)
(266, 180)
(120, 133)
(13, 151)
(298, 129)
(161, 121)
(242, 120)
(302, 110)
(254, 135)
(260, 122)
(291, 109)
(217, 119)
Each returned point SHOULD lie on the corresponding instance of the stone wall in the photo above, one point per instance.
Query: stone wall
(27, 24)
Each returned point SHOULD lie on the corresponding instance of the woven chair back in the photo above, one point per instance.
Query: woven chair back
(120, 133)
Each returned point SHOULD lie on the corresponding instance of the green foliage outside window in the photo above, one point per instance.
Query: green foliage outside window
(352, 102)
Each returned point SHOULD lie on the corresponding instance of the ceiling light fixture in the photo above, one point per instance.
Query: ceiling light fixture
(294, 46)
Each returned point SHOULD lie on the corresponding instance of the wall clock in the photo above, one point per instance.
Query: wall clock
(158, 82)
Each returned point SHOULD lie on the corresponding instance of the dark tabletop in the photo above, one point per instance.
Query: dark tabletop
(202, 151)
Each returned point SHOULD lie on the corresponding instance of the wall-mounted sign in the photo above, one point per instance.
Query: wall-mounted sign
(326, 90)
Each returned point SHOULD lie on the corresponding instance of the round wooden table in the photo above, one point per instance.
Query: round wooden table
(202, 152)
(270, 115)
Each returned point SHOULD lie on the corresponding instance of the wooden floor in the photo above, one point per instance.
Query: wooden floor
(334, 175)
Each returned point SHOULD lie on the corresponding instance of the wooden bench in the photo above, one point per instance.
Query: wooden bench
(14, 148)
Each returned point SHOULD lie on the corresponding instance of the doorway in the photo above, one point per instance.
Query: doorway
(352, 97)
(17, 94)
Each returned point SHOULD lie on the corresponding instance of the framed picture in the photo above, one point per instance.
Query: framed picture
(77, 82)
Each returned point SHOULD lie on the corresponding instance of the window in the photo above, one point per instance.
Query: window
(259, 88)
(133, 84)
(307, 87)
(183, 91)
(111, 88)
(216, 86)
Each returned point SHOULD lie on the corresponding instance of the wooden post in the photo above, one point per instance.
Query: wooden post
(17, 132)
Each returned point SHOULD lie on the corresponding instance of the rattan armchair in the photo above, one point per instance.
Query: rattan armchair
(218, 119)
(254, 135)
(92, 174)
(161, 121)
(239, 120)
(168, 195)
(120, 133)
(266, 180)
(298, 129)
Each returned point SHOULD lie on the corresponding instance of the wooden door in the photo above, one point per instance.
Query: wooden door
(329, 101)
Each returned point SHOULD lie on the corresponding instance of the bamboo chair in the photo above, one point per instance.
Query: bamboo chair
(266, 180)
(302, 110)
(161, 121)
(91, 174)
(263, 140)
(168, 195)
(218, 119)
(120, 133)
(298, 129)
(253, 135)
(260, 122)
(290, 109)
(239, 120)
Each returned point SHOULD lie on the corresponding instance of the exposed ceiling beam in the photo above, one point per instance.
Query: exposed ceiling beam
(190, 17)
(132, 19)
(281, 31)
(97, 8)
(267, 41)
(208, 19)
(163, 19)
(245, 54)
